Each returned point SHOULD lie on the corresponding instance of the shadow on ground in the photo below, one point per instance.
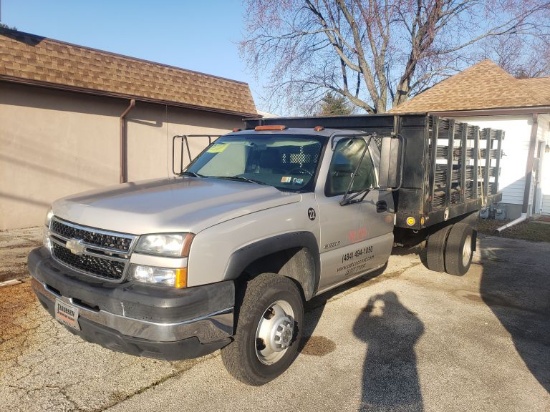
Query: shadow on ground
(390, 376)
(390, 331)
(519, 296)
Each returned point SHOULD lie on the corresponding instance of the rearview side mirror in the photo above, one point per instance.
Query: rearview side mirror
(391, 162)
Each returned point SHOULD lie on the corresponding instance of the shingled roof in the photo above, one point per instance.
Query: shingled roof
(482, 86)
(31, 59)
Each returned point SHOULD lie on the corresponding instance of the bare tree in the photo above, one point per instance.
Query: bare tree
(379, 53)
(509, 53)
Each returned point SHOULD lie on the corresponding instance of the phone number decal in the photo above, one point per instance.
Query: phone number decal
(357, 254)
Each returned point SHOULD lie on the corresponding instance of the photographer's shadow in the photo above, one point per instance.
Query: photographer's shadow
(390, 377)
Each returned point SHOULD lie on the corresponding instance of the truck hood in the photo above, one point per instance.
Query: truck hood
(169, 205)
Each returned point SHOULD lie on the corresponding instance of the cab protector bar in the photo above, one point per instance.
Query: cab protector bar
(185, 145)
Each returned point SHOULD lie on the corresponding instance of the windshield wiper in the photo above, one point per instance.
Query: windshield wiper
(192, 174)
(240, 179)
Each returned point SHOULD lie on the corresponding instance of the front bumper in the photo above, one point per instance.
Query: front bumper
(145, 321)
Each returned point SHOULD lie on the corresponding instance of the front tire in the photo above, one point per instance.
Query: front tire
(269, 329)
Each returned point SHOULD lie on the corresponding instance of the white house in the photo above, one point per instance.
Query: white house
(487, 96)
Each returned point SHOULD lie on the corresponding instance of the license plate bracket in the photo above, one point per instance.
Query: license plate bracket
(67, 314)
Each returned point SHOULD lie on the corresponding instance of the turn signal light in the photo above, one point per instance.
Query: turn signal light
(181, 278)
(270, 127)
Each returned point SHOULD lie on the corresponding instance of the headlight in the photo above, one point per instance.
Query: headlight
(48, 219)
(46, 235)
(169, 245)
(159, 276)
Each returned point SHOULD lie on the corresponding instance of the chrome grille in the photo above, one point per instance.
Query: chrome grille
(104, 255)
(100, 267)
(91, 236)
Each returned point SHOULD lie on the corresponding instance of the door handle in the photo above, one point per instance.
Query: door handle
(381, 206)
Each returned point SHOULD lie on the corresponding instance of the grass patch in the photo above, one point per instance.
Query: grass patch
(535, 231)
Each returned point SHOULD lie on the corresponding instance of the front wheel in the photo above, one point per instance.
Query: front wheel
(269, 329)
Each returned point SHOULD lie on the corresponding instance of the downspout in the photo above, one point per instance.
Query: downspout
(528, 176)
(124, 143)
(520, 219)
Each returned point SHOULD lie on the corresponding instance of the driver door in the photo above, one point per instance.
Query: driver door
(356, 237)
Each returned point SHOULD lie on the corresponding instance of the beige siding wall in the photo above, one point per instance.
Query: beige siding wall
(151, 129)
(55, 143)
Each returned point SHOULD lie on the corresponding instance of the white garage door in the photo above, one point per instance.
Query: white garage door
(545, 205)
(545, 184)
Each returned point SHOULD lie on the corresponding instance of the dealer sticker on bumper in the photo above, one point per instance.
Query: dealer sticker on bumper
(67, 314)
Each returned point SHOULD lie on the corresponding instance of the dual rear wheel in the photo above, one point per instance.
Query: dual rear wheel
(450, 249)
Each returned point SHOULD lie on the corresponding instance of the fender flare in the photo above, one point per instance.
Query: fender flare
(243, 257)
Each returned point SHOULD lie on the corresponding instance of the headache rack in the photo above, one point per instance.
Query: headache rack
(181, 149)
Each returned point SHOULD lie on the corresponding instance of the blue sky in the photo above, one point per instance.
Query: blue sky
(200, 35)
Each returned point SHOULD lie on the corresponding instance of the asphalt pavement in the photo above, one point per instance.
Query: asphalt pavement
(406, 339)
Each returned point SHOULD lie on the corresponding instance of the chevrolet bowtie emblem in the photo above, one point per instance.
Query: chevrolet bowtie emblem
(76, 246)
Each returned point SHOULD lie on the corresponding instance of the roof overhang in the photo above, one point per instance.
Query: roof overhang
(517, 111)
(105, 93)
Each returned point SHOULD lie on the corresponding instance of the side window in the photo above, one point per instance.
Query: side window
(348, 157)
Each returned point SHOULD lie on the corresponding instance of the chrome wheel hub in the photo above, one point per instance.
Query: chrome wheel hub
(275, 332)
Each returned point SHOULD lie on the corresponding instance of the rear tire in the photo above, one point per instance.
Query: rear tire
(459, 249)
(269, 329)
(435, 253)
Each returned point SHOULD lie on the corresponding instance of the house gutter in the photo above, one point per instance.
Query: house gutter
(528, 175)
(124, 143)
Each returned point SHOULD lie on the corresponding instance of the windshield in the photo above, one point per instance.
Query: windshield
(287, 162)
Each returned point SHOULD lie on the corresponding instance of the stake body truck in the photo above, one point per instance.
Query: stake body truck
(224, 254)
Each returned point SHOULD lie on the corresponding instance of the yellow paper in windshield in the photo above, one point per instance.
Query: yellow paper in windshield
(217, 148)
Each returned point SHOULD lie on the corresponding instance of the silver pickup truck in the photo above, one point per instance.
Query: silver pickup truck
(224, 255)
